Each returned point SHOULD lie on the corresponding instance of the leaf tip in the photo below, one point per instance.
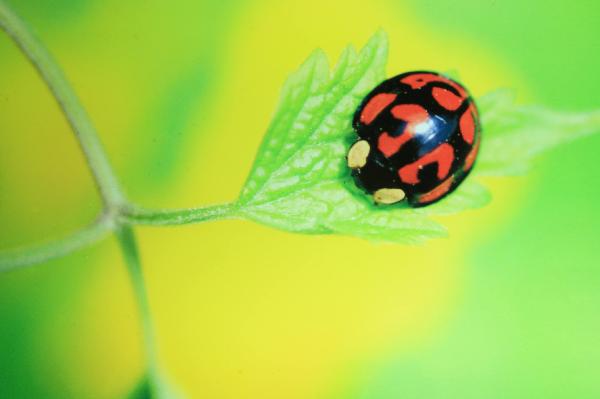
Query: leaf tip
(380, 35)
(379, 40)
(316, 58)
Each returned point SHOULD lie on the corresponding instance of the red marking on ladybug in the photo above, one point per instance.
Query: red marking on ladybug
(446, 98)
(471, 157)
(375, 106)
(411, 113)
(419, 80)
(389, 145)
(467, 125)
(437, 192)
(443, 155)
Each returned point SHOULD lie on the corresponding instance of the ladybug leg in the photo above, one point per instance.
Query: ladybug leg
(388, 195)
(357, 156)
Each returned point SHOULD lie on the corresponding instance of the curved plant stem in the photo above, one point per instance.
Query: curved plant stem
(127, 241)
(28, 256)
(131, 215)
(135, 215)
(105, 179)
(87, 136)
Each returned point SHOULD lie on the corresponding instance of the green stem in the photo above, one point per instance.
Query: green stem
(28, 256)
(134, 215)
(16, 258)
(127, 241)
(87, 136)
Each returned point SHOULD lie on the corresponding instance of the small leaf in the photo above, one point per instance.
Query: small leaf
(300, 181)
(514, 134)
(307, 139)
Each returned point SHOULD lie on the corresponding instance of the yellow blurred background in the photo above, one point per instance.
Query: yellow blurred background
(245, 311)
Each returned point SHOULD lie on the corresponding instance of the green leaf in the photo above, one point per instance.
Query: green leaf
(300, 182)
(469, 195)
(331, 207)
(513, 135)
(307, 140)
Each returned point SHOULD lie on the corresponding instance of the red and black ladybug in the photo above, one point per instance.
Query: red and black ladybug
(419, 135)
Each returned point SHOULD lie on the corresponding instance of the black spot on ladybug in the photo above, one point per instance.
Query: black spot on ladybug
(418, 122)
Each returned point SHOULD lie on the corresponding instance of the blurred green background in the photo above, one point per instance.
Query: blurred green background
(507, 307)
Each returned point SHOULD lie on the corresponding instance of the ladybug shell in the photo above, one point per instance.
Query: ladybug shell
(423, 130)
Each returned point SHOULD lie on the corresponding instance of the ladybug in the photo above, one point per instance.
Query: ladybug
(419, 135)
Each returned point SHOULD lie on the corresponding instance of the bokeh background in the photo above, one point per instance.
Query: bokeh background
(182, 91)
